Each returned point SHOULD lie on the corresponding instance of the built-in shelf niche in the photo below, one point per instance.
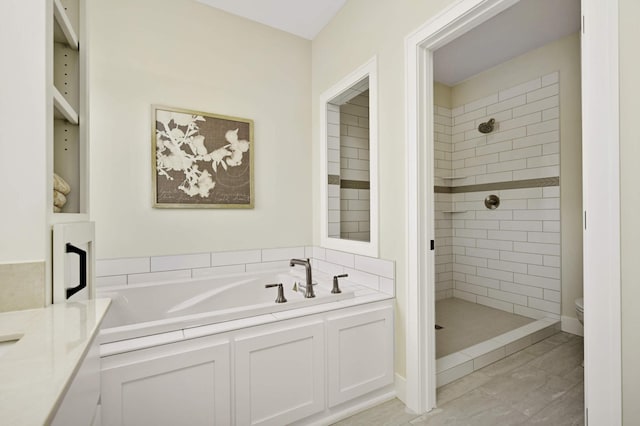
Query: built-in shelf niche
(65, 23)
(68, 149)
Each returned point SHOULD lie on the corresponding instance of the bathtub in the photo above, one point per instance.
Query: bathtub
(147, 309)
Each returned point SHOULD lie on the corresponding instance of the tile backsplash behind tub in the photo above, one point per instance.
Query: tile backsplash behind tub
(377, 274)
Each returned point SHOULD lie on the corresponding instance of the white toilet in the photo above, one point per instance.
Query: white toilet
(580, 309)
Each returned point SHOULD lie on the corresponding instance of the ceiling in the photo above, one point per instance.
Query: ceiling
(525, 26)
(304, 18)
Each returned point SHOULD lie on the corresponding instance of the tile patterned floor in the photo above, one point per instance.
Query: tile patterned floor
(540, 385)
(466, 324)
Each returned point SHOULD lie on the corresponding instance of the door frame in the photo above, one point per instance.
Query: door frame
(599, 49)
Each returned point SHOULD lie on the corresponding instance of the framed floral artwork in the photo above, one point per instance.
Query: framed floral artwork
(201, 160)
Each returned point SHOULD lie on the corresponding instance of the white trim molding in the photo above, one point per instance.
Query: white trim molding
(401, 388)
(445, 27)
(571, 325)
(370, 70)
(601, 202)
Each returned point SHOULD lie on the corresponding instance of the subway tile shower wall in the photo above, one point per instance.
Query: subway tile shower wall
(442, 177)
(333, 168)
(507, 258)
(525, 143)
(376, 274)
(354, 166)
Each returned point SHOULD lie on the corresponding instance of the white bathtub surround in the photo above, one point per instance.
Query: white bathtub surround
(162, 338)
(150, 309)
(304, 356)
(376, 274)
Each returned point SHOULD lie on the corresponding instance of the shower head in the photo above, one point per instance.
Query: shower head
(487, 127)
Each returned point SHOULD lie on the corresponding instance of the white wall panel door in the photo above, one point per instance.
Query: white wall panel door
(360, 353)
(280, 375)
(176, 386)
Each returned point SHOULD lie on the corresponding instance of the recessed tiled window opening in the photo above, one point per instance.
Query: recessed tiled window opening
(348, 164)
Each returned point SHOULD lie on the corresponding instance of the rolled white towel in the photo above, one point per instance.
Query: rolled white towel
(61, 185)
(59, 199)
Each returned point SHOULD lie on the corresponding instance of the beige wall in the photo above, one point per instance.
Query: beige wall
(386, 26)
(630, 206)
(441, 95)
(25, 109)
(564, 56)
(184, 54)
(374, 28)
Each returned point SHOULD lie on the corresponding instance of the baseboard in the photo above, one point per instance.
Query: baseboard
(349, 410)
(571, 325)
(401, 388)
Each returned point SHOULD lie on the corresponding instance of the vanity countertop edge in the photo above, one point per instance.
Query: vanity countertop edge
(37, 370)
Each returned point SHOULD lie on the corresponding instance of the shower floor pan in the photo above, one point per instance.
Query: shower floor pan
(474, 336)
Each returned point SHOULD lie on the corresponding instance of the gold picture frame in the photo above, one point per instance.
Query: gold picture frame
(201, 160)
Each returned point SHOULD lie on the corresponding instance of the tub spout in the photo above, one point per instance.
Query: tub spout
(308, 292)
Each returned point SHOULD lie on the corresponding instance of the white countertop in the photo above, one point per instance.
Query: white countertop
(36, 371)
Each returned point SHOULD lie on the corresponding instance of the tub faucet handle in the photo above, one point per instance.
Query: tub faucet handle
(280, 298)
(336, 287)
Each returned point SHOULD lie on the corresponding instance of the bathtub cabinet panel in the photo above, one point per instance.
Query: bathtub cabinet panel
(360, 353)
(280, 375)
(170, 385)
(81, 400)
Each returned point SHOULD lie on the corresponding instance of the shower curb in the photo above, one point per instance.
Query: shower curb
(458, 364)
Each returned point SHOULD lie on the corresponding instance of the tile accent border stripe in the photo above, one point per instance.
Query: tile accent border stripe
(354, 184)
(493, 186)
(347, 184)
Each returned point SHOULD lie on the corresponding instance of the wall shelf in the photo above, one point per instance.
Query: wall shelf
(68, 147)
(69, 217)
(63, 31)
(455, 211)
(453, 177)
(62, 110)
